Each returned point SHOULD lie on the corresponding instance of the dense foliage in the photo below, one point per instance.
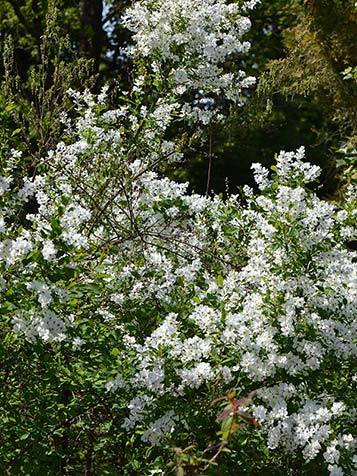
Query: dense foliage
(149, 330)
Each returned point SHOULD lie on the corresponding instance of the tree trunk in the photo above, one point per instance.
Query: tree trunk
(91, 39)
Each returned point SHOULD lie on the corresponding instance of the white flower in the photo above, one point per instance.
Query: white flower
(160, 428)
(48, 250)
(335, 470)
(5, 184)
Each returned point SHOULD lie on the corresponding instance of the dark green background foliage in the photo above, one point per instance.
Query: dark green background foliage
(300, 50)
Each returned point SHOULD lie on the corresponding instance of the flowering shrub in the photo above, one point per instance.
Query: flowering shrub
(204, 293)
(190, 41)
(189, 296)
(189, 49)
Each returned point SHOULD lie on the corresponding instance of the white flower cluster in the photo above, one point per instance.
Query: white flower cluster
(46, 326)
(287, 313)
(26, 251)
(191, 42)
(160, 429)
(309, 428)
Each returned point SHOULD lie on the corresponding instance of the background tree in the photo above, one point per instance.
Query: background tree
(303, 97)
(316, 71)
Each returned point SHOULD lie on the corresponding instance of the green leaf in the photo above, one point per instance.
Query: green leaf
(16, 132)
